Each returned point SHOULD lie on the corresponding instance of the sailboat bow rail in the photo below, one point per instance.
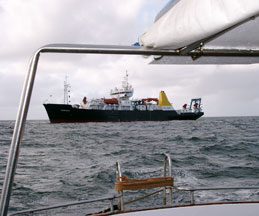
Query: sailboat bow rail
(86, 49)
(138, 50)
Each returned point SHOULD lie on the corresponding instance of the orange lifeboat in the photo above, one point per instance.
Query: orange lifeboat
(111, 101)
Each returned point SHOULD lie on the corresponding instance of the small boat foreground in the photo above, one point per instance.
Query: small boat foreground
(165, 186)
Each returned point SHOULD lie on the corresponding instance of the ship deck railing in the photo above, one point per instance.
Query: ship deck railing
(193, 190)
(113, 208)
(31, 211)
(121, 203)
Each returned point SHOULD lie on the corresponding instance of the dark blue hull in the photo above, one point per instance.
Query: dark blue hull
(61, 113)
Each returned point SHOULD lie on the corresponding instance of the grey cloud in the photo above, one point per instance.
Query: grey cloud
(225, 90)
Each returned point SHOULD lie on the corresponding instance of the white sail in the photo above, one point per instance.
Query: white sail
(188, 21)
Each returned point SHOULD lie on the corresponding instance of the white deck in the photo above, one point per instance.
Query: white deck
(247, 209)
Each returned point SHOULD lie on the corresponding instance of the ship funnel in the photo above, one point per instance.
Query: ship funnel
(163, 101)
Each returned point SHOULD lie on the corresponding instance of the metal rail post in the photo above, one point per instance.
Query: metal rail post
(167, 159)
(118, 174)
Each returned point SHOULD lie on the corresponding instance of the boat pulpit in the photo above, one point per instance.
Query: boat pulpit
(165, 182)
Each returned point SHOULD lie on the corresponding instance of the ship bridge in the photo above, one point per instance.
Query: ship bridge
(124, 93)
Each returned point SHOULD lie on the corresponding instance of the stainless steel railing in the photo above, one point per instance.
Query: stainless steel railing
(168, 160)
(31, 211)
(193, 190)
(114, 197)
(167, 172)
(27, 92)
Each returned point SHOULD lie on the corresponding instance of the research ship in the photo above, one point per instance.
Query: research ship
(121, 108)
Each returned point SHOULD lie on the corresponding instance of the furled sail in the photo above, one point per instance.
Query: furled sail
(184, 22)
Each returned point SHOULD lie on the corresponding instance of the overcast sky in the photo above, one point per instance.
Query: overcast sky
(230, 90)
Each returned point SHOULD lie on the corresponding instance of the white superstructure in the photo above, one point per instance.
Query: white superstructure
(120, 100)
(125, 92)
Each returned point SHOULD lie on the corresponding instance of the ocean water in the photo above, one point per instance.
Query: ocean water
(62, 163)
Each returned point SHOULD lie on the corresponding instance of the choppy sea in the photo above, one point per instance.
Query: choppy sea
(62, 163)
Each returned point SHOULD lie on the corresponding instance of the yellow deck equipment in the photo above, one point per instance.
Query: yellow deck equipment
(163, 101)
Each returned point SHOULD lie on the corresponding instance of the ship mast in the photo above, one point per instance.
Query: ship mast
(125, 92)
(66, 91)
